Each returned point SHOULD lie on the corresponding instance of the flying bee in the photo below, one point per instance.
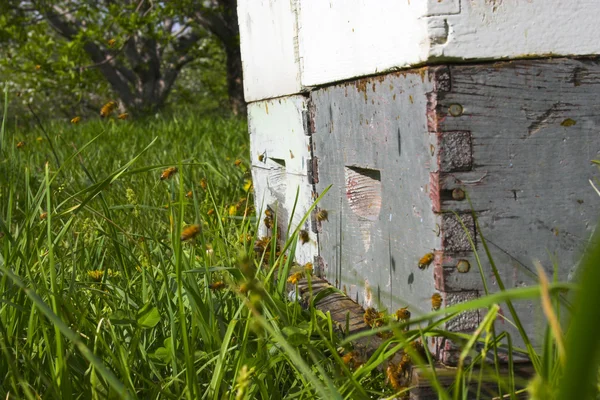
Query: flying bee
(20, 145)
(295, 278)
(190, 232)
(75, 120)
(403, 314)
(107, 109)
(352, 360)
(168, 173)
(217, 286)
(237, 162)
(189, 194)
(426, 260)
(436, 301)
(303, 235)
(203, 183)
(43, 215)
(123, 116)
(112, 42)
(322, 215)
(308, 268)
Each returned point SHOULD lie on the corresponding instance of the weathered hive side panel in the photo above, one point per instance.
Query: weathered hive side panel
(533, 127)
(371, 143)
(280, 157)
(268, 42)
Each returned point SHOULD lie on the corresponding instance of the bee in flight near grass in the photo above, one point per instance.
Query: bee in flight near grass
(403, 314)
(189, 194)
(107, 109)
(20, 145)
(112, 42)
(322, 215)
(303, 235)
(168, 173)
(426, 260)
(123, 116)
(43, 215)
(190, 232)
(237, 162)
(220, 285)
(75, 120)
(295, 278)
(436, 301)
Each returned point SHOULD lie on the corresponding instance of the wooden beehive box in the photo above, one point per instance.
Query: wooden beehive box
(404, 148)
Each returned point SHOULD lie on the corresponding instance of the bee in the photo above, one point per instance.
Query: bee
(168, 173)
(96, 274)
(308, 268)
(371, 316)
(419, 349)
(403, 314)
(217, 285)
(295, 278)
(261, 157)
(291, 154)
(404, 364)
(190, 232)
(203, 183)
(352, 360)
(38, 67)
(322, 215)
(123, 116)
(210, 212)
(112, 42)
(237, 162)
(303, 235)
(43, 215)
(392, 376)
(426, 260)
(20, 145)
(75, 120)
(107, 109)
(189, 194)
(436, 301)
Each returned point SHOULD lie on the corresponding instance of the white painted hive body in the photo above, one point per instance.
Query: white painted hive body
(401, 147)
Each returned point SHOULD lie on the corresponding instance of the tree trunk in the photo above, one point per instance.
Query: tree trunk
(235, 87)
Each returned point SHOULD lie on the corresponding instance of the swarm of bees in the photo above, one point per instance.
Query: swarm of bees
(75, 120)
(190, 232)
(436, 301)
(303, 236)
(107, 109)
(168, 173)
(426, 260)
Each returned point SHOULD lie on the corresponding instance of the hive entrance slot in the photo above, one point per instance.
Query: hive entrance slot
(363, 191)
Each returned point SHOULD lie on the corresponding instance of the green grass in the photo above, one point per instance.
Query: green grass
(101, 298)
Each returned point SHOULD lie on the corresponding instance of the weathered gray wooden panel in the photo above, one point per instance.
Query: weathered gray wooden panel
(370, 139)
(403, 151)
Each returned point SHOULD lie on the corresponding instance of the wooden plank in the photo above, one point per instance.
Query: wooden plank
(268, 37)
(289, 47)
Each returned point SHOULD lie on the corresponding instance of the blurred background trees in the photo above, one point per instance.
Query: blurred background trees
(68, 57)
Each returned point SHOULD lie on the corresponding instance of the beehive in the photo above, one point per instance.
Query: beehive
(407, 147)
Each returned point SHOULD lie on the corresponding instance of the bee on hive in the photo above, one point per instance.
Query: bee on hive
(322, 215)
(303, 236)
(168, 173)
(426, 260)
(436, 301)
(352, 360)
(190, 232)
(217, 286)
(394, 376)
(107, 109)
(373, 318)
